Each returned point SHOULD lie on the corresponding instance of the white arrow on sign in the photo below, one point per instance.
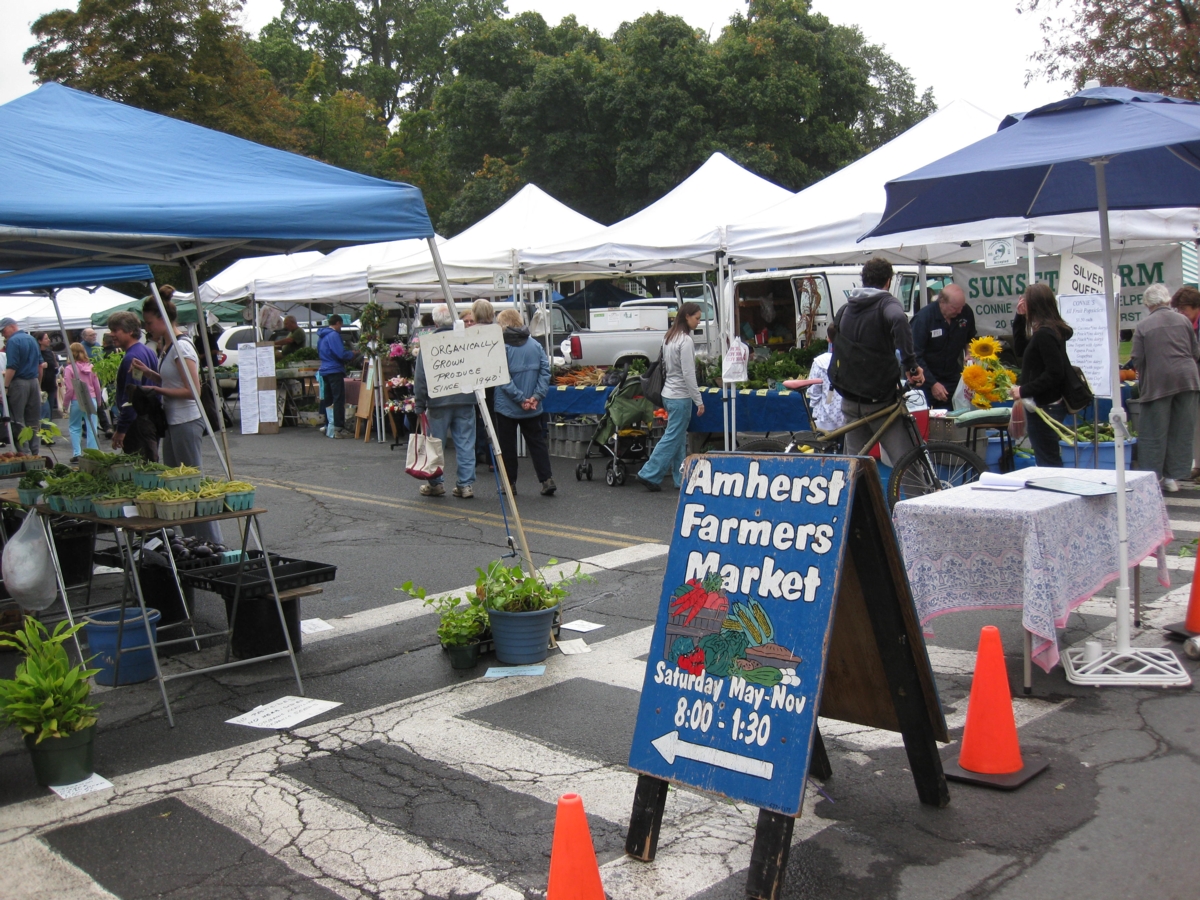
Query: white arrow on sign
(670, 746)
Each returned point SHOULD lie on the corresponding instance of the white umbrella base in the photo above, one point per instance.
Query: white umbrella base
(1135, 667)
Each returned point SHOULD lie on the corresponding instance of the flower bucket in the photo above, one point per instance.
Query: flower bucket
(64, 760)
(521, 638)
(463, 656)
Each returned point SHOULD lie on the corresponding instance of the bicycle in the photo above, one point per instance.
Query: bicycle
(929, 466)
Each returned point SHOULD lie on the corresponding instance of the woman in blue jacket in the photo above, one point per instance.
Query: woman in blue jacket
(519, 403)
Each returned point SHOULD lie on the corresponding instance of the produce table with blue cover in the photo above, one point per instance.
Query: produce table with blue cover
(569, 400)
(757, 411)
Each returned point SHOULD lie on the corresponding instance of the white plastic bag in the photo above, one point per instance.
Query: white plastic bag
(27, 567)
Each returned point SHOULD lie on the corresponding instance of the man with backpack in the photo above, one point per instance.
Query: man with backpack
(871, 329)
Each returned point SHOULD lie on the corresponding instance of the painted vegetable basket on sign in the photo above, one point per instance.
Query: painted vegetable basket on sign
(706, 633)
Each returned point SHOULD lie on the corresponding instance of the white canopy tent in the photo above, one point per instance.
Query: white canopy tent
(680, 232)
(340, 277)
(236, 282)
(529, 219)
(77, 305)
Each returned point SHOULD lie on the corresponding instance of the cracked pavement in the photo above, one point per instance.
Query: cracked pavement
(431, 783)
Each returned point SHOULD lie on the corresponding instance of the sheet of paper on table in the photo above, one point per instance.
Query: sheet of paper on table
(312, 626)
(89, 785)
(513, 671)
(990, 481)
(283, 713)
(570, 648)
(581, 625)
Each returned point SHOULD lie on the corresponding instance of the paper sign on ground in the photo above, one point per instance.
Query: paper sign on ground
(570, 648)
(512, 671)
(312, 626)
(458, 362)
(89, 785)
(283, 713)
(581, 625)
(1088, 348)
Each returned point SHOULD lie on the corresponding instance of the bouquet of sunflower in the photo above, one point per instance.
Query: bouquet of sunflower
(984, 376)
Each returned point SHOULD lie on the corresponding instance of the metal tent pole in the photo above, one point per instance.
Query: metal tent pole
(922, 285)
(202, 333)
(1031, 255)
(1124, 664)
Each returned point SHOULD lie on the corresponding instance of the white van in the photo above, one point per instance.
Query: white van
(782, 309)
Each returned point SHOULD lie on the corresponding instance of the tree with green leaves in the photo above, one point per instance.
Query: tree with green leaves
(1147, 45)
(391, 51)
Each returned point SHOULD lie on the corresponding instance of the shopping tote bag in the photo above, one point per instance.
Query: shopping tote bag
(424, 452)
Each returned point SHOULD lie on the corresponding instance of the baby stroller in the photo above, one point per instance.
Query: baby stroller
(623, 435)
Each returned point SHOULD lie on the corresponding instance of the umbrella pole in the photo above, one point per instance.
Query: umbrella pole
(1124, 664)
(202, 333)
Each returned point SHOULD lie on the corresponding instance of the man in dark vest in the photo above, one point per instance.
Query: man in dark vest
(871, 329)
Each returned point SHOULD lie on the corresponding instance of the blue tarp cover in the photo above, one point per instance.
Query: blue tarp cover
(77, 276)
(1037, 164)
(80, 164)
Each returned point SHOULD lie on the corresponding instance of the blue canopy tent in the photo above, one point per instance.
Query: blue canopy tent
(50, 281)
(88, 180)
(1101, 149)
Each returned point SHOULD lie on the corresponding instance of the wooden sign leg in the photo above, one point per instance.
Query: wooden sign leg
(818, 766)
(908, 698)
(645, 823)
(768, 859)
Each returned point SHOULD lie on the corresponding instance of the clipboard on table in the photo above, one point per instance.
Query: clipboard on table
(1079, 487)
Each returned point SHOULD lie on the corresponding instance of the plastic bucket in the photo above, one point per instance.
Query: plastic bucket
(101, 630)
(522, 637)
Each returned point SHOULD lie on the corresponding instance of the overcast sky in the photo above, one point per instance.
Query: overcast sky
(977, 51)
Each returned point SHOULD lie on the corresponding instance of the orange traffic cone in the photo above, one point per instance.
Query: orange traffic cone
(574, 872)
(1191, 625)
(991, 754)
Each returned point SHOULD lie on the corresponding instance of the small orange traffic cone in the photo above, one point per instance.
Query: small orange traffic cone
(574, 872)
(991, 753)
(1190, 625)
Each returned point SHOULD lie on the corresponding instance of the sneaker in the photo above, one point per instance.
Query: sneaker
(650, 485)
(345, 433)
(74, 459)
(1170, 485)
(465, 491)
(429, 489)
(548, 487)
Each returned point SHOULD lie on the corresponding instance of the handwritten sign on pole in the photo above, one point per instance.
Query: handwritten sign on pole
(1088, 348)
(459, 362)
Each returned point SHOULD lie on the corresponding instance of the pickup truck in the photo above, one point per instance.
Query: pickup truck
(607, 348)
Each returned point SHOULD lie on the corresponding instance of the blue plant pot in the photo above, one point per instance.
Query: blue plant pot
(521, 638)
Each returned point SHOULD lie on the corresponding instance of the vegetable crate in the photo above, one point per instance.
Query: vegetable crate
(174, 510)
(289, 573)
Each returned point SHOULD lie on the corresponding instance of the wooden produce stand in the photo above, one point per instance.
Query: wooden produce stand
(123, 529)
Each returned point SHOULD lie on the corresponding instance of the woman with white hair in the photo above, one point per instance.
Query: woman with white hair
(1165, 353)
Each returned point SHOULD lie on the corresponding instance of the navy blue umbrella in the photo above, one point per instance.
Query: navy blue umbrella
(1102, 149)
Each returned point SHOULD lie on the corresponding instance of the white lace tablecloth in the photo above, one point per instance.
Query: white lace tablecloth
(1040, 551)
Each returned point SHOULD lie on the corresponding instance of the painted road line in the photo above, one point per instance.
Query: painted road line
(402, 611)
(1180, 501)
(1187, 526)
(479, 517)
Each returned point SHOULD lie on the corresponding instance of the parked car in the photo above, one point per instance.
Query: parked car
(229, 340)
(624, 345)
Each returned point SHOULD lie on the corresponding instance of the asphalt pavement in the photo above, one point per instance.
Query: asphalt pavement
(427, 782)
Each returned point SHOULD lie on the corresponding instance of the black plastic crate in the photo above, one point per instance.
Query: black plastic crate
(203, 562)
(204, 576)
(289, 574)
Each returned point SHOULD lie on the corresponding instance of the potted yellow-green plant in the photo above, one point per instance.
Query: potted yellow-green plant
(462, 623)
(47, 700)
(520, 609)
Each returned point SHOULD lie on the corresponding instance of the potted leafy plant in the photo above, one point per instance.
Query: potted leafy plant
(520, 610)
(462, 623)
(48, 701)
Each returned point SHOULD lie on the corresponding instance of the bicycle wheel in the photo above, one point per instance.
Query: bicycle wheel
(764, 445)
(935, 466)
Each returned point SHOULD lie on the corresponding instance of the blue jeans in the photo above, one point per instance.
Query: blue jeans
(76, 428)
(669, 451)
(459, 423)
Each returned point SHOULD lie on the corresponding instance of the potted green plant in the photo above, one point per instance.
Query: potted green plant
(520, 610)
(461, 624)
(47, 701)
